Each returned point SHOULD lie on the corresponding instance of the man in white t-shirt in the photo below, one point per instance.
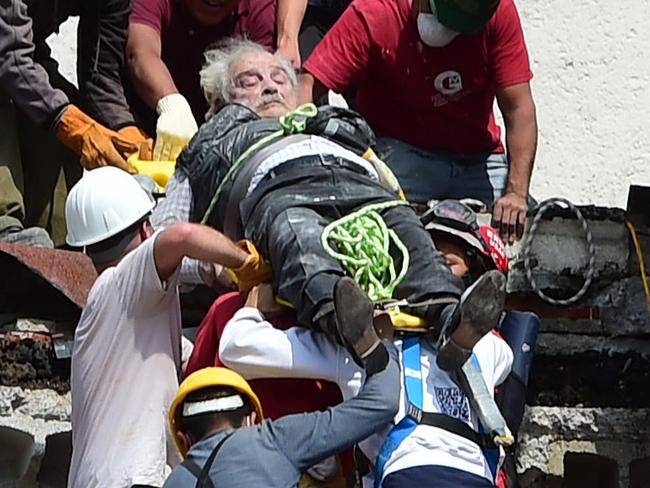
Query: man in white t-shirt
(128, 350)
(254, 348)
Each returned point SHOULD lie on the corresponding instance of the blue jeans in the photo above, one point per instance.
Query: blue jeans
(435, 175)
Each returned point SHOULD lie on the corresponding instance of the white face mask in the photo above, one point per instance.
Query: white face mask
(432, 32)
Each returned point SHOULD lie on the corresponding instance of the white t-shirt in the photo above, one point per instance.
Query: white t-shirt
(431, 445)
(254, 348)
(125, 367)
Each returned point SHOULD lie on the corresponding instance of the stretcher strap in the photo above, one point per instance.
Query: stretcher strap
(413, 387)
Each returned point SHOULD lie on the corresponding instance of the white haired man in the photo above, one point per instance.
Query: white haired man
(262, 170)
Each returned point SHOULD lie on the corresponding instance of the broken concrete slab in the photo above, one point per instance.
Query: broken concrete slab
(559, 254)
(38, 404)
(572, 344)
(591, 379)
(628, 315)
(550, 435)
(60, 279)
(26, 362)
(31, 425)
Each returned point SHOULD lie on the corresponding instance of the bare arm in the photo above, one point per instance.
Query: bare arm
(151, 77)
(518, 109)
(195, 241)
(309, 88)
(289, 17)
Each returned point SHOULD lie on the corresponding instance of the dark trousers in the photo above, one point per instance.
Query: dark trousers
(286, 224)
(32, 160)
(434, 476)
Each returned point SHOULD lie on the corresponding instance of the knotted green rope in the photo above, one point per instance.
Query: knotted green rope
(291, 123)
(361, 242)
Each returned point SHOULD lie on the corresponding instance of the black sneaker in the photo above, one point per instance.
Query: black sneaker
(478, 312)
(354, 314)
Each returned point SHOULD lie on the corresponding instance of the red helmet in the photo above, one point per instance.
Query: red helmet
(457, 219)
(496, 249)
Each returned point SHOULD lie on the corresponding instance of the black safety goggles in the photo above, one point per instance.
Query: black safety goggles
(456, 215)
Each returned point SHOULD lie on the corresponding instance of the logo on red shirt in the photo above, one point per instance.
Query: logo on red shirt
(448, 82)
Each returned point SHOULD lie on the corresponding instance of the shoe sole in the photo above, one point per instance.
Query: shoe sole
(357, 331)
(481, 309)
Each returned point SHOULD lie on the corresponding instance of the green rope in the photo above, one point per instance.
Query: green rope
(291, 123)
(362, 241)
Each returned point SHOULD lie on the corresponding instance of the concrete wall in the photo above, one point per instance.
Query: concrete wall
(592, 88)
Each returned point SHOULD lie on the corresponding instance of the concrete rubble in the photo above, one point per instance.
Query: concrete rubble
(588, 425)
(609, 447)
(35, 437)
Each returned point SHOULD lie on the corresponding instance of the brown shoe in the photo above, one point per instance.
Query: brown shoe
(480, 308)
(354, 314)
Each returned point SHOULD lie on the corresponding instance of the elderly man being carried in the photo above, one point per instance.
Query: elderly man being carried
(278, 175)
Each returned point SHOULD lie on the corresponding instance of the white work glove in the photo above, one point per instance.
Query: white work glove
(175, 127)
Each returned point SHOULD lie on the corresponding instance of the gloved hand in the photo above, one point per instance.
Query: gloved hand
(95, 144)
(175, 127)
(134, 140)
(254, 270)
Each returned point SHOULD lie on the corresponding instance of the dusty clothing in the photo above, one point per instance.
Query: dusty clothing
(275, 453)
(304, 188)
(183, 42)
(434, 98)
(125, 367)
(288, 222)
(12, 210)
(29, 74)
(222, 140)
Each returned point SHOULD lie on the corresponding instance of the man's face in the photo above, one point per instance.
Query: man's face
(210, 12)
(262, 84)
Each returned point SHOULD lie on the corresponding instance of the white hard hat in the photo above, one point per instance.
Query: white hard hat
(103, 203)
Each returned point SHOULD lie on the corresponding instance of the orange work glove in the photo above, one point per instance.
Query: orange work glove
(254, 270)
(132, 140)
(91, 141)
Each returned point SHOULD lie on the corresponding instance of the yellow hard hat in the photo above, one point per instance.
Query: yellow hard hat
(205, 378)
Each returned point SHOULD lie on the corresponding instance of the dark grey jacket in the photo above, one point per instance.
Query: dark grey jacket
(222, 140)
(30, 76)
(274, 454)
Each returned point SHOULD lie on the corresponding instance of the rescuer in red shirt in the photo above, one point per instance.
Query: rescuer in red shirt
(428, 73)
